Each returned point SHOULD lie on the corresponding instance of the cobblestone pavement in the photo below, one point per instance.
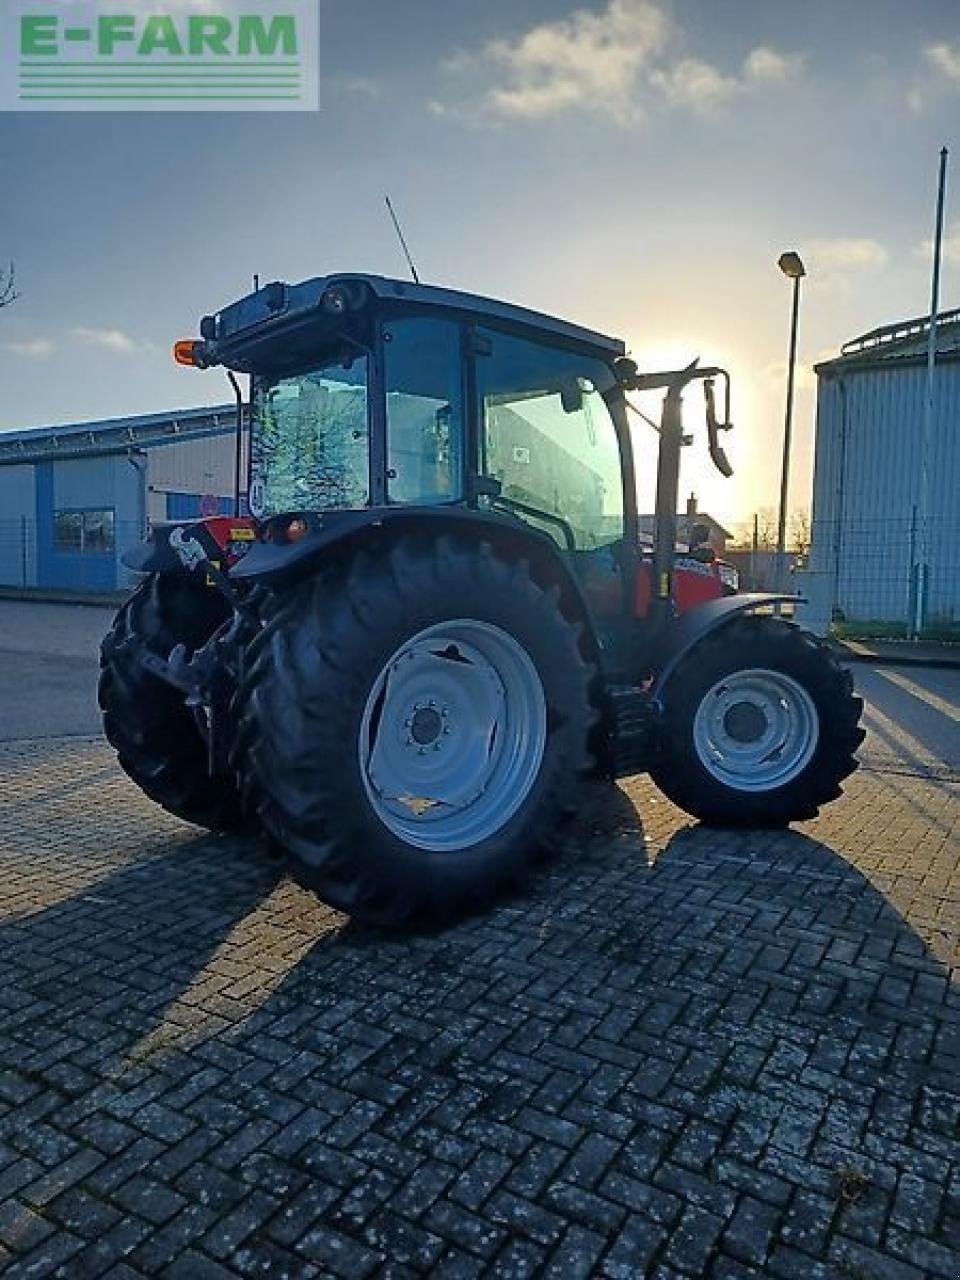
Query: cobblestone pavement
(684, 1053)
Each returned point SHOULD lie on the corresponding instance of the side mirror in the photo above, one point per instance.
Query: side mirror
(571, 396)
(717, 453)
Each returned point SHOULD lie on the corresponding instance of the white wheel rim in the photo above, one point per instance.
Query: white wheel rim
(453, 735)
(756, 730)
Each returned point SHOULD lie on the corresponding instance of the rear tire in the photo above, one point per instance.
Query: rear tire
(330, 735)
(761, 726)
(157, 740)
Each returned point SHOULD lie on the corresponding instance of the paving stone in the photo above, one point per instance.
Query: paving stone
(751, 1231)
(294, 1218)
(879, 1266)
(162, 1247)
(464, 1228)
(83, 1214)
(694, 1241)
(518, 1260)
(584, 1207)
(48, 1258)
(575, 1258)
(147, 1199)
(21, 1227)
(267, 1260)
(194, 1266)
(633, 1247)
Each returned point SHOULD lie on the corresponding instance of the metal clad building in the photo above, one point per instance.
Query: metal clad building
(74, 498)
(867, 476)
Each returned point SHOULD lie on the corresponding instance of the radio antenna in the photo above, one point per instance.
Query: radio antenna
(402, 239)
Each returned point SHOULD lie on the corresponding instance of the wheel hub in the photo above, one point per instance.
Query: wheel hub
(426, 726)
(745, 722)
(756, 730)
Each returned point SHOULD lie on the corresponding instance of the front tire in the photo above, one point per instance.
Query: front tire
(761, 726)
(414, 728)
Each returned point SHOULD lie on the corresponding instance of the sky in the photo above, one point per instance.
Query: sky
(637, 166)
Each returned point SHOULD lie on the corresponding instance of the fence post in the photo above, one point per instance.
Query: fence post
(23, 551)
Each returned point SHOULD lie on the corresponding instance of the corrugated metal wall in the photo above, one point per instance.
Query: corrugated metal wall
(197, 467)
(867, 485)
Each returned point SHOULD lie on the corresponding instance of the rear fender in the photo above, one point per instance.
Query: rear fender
(183, 548)
(331, 536)
(686, 633)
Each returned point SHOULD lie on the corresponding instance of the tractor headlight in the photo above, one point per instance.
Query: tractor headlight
(729, 578)
(348, 295)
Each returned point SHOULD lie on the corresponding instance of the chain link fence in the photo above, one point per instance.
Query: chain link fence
(861, 577)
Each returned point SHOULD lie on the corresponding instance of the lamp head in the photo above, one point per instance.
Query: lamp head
(791, 264)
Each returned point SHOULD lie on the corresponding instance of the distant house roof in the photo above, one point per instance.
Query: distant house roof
(114, 435)
(648, 523)
(902, 343)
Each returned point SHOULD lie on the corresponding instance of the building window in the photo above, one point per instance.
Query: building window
(89, 533)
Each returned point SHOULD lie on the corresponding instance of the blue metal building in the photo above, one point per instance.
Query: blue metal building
(867, 503)
(73, 498)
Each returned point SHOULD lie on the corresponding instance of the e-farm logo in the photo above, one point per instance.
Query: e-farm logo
(152, 55)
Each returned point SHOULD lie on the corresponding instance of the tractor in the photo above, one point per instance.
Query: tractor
(434, 616)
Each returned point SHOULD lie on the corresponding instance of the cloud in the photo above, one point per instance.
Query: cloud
(361, 86)
(31, 348)
(620, 61)
(108, 339)
(703, 88)
(951, 246)
(697, 85)
(766, 66)
(590, 59)
(845, 254)
(945, 58)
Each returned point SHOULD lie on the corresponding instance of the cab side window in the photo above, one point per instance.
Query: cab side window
(548, 437)
(424, 410)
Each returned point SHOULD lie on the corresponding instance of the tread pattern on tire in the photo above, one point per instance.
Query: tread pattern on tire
(146, 721)
(306, 679)
(757, 641)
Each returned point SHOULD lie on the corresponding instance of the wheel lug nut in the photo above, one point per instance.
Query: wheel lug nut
(446, 728)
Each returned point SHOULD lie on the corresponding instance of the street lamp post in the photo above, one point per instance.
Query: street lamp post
(792, 267)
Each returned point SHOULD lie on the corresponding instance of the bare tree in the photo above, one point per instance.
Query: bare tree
(766, 527)
(801, 531)
(8, 287)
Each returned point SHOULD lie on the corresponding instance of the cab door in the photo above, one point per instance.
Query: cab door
(548, 436)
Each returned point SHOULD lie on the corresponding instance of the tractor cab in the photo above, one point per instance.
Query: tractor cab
(369, 393)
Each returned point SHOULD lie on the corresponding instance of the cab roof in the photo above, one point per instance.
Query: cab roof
(279, 303)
